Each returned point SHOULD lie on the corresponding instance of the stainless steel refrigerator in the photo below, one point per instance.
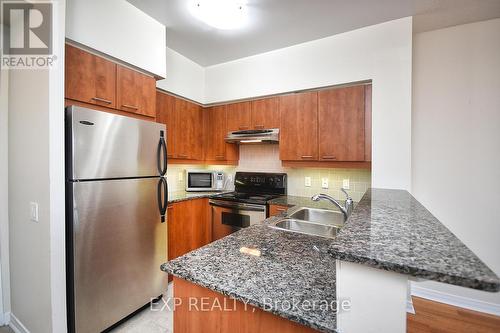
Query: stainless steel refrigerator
(116, 201)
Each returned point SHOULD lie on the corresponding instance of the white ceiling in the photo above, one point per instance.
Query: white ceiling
(276, 24)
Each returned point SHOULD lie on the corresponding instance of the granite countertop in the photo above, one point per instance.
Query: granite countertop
(391, 230)
(388, 229)
(292, 268)
(178, 196)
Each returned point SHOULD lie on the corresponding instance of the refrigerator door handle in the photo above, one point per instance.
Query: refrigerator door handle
(162, 150)
(162, 197)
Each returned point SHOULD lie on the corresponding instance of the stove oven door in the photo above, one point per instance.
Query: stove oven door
(229, 217)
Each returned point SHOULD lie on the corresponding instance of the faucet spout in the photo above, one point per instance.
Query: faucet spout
(345, 209)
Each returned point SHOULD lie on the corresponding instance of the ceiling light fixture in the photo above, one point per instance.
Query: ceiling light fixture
(220, 14)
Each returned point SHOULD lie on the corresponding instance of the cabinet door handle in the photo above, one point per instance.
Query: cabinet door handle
(259, 126)
(219, 157)
(306, 156)
(329, 157)
(98, 99)
(130, 107)
(182, 156)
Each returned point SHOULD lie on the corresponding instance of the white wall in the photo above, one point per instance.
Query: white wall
(57, 177)
(35, 162)
(456, 141)
(4, 201)
(117, 28)
(381, 52)
(184, 77)
(29, 181)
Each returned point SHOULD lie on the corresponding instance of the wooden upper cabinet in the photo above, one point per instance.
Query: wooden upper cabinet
(195, 138)
(215, 131)
(182, 129)
(184, 121)
(299, 127)
(165, 114)
(341, 118)
(266, 113)
(136, 92)
(239, 116)
(258, 114)
(89, 78)
(368, 123)
(188, 131)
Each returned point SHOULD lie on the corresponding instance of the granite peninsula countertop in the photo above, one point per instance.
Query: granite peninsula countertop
(391, 230)
(292, 268)
(388, 229)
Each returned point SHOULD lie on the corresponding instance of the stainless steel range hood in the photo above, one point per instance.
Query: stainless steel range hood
(253, 136)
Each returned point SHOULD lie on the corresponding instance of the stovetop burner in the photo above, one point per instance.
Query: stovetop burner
(256, 187)
(246, 197)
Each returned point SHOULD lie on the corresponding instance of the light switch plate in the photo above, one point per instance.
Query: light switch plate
(34, 211)
(345, 184)
(307, 181)
(324, 182)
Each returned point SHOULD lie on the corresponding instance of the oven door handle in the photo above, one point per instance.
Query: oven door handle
(237, 205)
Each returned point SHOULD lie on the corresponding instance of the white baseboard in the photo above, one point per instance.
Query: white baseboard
(4, 318)
(459, 301)
(409, 307)
(16, 325)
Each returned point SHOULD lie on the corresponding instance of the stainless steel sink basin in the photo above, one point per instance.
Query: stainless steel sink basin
(304, 227)
(320, 216)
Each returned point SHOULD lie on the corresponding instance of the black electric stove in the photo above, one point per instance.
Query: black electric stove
(256, 187)
(247, 205)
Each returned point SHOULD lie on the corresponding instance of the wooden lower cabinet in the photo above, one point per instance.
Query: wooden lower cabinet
(237, 318)
(189, 226)
(277, 209)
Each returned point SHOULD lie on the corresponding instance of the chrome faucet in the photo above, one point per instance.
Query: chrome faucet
(346, 209)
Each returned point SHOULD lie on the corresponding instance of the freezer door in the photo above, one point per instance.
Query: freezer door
(117, 243)
(101, 145)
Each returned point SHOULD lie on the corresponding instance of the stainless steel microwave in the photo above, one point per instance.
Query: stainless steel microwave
(204, 180)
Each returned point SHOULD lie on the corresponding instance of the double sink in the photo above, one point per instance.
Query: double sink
(311, 221)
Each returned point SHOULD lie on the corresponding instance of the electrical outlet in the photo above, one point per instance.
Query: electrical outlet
(307, 181)
(230, 178)
(324, 182)
(34, 211)
(345, 184)
(181, 176)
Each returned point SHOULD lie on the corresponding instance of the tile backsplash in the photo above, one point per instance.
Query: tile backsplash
(265, 158)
